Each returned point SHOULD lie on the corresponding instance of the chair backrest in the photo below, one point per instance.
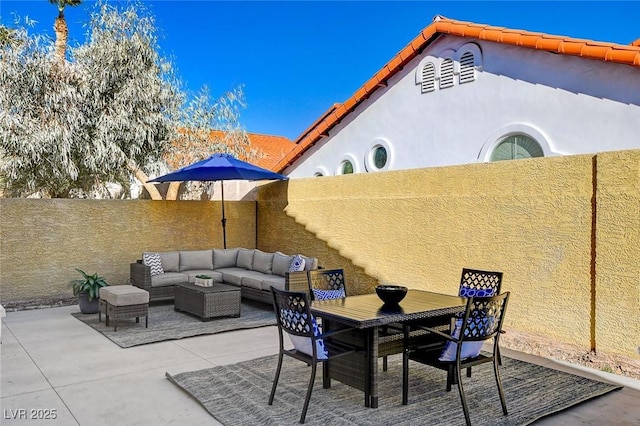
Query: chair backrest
(483, 317)
(327, 284)
(477, 283)
(293, 313)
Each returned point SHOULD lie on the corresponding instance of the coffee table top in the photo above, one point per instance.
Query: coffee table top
(216, 288)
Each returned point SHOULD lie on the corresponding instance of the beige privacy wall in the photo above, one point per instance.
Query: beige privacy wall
(617, 283)
(531, 219)
(43, 241)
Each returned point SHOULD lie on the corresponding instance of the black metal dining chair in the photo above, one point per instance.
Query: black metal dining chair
(482, 320)
(325, 284)
(311, 345)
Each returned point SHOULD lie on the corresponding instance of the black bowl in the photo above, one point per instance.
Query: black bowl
(391, 294)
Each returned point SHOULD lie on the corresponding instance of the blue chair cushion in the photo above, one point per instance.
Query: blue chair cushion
(319, 294)
(476, 292)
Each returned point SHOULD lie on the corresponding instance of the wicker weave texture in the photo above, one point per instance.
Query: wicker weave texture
(208, 302)
(113, 312)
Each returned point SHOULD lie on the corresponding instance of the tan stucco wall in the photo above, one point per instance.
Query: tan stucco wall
(564, 230)
(43, 241)
(531, 219)
(617, 319)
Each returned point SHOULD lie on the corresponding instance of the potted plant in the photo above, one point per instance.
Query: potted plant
(87, 289)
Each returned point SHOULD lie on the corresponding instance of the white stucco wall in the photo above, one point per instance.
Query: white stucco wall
(570, 105)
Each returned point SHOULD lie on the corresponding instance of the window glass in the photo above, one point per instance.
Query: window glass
(347, 167)
(517, 147)
(380, 157)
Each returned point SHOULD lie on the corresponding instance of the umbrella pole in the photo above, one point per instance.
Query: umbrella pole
(224, 220)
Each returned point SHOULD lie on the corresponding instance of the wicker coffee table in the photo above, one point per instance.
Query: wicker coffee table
(221, 300)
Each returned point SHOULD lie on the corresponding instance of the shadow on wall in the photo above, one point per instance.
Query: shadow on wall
(277, 230)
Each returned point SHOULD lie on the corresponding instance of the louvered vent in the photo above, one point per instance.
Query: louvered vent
(428, 78)
(467, 70)
(446, 74)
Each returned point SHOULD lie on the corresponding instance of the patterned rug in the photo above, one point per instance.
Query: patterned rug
(167, 324)
(531, 391)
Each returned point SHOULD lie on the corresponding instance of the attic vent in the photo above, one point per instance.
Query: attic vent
(467, 70)
(428, 78)
(446, 74)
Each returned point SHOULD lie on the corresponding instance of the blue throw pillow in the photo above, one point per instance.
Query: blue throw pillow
(319, 294)
(297, 264)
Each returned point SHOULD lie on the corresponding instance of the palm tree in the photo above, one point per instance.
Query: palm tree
(60, 27)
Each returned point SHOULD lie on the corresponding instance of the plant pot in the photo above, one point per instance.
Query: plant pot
(86, 306)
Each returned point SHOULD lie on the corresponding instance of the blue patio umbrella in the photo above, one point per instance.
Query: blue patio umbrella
(220, 167)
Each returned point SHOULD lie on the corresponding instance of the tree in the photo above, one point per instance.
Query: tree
(108, 113)
(114, 112)
(60, 27)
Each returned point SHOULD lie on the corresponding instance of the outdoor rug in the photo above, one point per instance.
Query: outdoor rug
(167, 324)
(237, 394)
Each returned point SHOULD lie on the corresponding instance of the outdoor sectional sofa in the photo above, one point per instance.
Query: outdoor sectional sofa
(253, 270)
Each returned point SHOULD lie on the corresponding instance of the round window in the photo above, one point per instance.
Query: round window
(346, 167)
(379, 157)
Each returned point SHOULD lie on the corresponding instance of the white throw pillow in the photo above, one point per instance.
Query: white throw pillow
(297, 264)
(303, 344)
(154, 262)
(469, 349)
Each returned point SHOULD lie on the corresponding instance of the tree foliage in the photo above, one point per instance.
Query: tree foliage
(113, 113)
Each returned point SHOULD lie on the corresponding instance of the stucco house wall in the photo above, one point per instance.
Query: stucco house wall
(568, 104)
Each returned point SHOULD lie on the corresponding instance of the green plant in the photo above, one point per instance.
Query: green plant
(89, 284)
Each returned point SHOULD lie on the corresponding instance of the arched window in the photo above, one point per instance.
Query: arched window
(446, 73)
(516, 147)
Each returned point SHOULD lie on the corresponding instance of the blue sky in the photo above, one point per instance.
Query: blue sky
(297, 58)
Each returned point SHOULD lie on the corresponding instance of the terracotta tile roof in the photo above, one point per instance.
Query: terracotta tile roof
(609, 52)
(271, 149)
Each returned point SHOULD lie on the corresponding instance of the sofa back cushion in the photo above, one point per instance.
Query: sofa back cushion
(245, 259)
(310, 263)
(225, 258)
(170, 261)
(281, 263)
(196, 259)
(263, 262)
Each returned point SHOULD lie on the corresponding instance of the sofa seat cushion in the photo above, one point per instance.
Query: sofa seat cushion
(168, 278)
(253, 279)
(233, 275)
(275, 281)
(217, 276)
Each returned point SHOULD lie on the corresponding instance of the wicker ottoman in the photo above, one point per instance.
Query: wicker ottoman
(123, 301)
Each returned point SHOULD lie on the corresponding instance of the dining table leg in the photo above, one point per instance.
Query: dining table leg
(373, 366)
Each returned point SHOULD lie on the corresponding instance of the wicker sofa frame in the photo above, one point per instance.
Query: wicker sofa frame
(140, 276)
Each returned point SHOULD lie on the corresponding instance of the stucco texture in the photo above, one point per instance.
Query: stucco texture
(617, 295)
(43, 241)
(531, 219)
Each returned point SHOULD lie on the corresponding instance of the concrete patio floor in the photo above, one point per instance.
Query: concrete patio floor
(51, 361)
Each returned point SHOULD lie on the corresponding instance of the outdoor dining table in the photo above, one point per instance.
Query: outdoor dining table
(367, 314)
